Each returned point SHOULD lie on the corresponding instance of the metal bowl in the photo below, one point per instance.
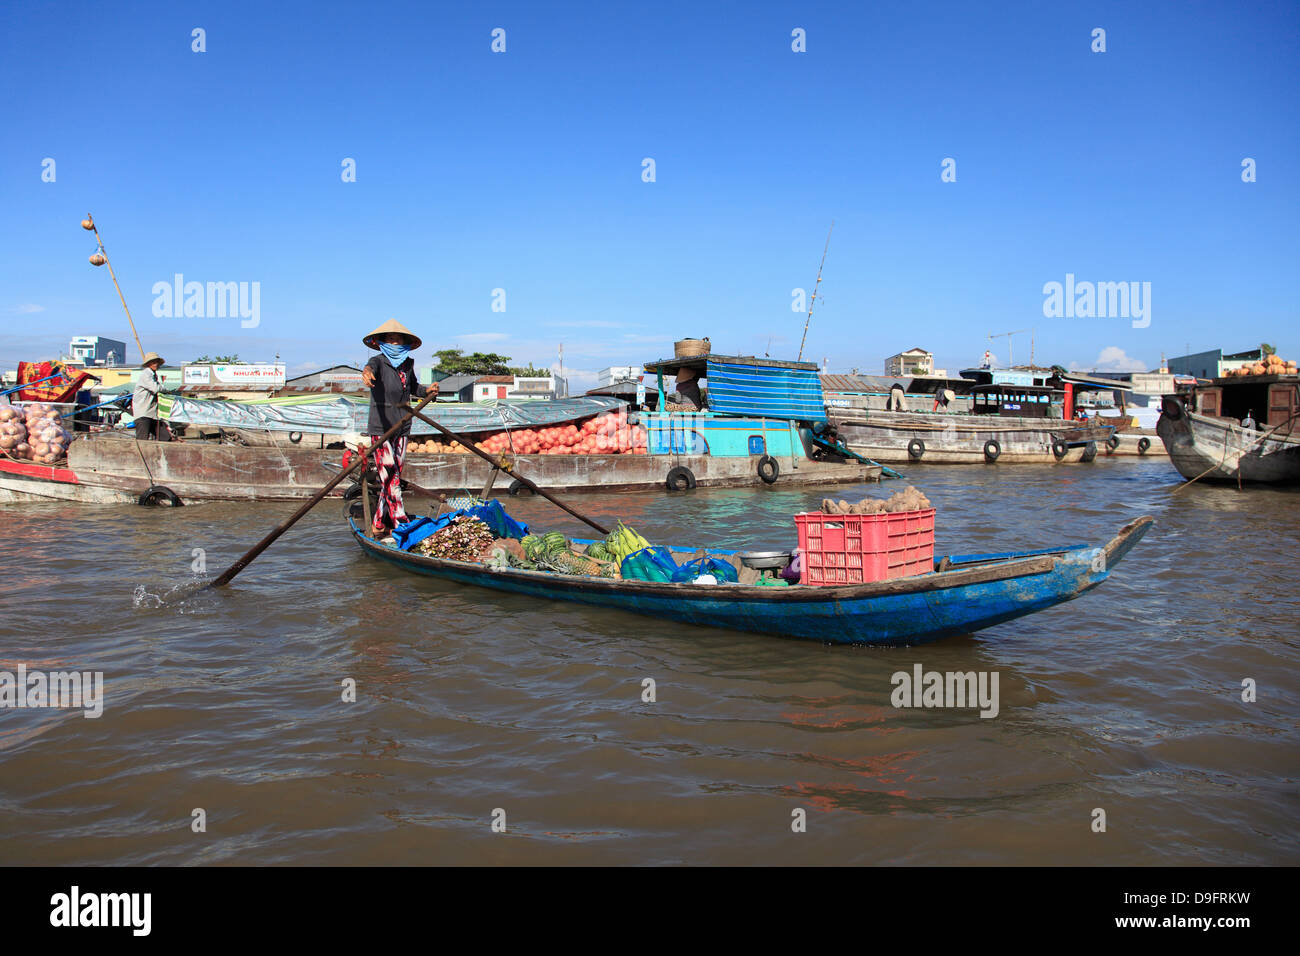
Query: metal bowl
(765, 560)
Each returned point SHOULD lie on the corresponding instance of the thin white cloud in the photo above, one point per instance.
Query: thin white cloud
(586, 324)
(27, 308)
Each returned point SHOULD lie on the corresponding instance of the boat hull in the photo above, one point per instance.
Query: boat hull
(961, 439)
(978, 593)
(1215, 449)
(113, 468)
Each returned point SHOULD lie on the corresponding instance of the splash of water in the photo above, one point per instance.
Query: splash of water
(142, 598)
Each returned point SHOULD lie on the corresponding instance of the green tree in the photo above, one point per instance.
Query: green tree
(218, 360)
(1266, 350)
(456, 362)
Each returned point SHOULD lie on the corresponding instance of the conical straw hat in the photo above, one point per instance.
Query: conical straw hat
(392, 325)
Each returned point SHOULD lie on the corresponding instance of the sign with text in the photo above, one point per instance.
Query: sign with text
(251, 376)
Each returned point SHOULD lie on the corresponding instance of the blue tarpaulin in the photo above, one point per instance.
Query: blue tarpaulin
(410, 533)
(766, 391)
(498, 520)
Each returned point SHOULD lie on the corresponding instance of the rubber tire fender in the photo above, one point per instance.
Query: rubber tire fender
(1171, 408)
(1060, 449)
(992, 450)
(1143, 444)
(768, 469)
(916, 449)
(518, 488)
(294, 439)
(680, 478)
(1112, 442)
(156, 496)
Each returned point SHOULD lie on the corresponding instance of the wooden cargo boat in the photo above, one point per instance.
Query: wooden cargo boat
(964, 593)
(1013, 424)
(1210, 443)
(113, 467)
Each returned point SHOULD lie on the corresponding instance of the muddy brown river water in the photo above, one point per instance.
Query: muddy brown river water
(473, 706)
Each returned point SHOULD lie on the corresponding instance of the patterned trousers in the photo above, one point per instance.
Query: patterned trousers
(388, 459)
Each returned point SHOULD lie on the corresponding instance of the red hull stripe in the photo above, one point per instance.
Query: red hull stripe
(32, 470)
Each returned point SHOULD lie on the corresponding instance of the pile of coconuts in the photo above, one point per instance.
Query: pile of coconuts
(909, 499)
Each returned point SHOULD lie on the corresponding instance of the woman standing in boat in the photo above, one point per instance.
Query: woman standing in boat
(390, 376)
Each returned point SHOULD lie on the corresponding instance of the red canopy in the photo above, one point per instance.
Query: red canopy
(61, 389)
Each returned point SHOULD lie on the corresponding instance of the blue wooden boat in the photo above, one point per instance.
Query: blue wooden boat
(963, 594)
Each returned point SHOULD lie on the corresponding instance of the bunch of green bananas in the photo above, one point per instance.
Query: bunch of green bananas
(622, 541)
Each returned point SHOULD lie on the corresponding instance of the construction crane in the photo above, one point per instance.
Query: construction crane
(1007, 336)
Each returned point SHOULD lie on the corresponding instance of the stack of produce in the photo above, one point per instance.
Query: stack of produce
(622, 541)
(909, 499)
(34, 433)
(465, 539)
(608, 434)
(554, 552)
(13, 432)
(1271, 365)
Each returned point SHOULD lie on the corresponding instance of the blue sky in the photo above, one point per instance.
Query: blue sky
(522, 171)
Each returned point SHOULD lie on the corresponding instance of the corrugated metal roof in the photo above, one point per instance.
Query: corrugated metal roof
(859, 383)
(454, 383)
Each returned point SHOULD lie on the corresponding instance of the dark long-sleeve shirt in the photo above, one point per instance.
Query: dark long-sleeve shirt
(393, 389)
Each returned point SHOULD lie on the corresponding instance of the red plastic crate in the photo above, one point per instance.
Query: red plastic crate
(855, 549)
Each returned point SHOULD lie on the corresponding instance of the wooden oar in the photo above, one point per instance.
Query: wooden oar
(266, 542)
(507, 466)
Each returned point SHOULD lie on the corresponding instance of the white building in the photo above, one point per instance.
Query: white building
(96, 350)
(912, 362)
(539, 386)
(617, 373)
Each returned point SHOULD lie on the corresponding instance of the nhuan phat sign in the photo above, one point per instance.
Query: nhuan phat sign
(248, 376)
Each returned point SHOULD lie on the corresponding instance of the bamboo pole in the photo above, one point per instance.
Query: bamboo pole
(813, 300)
(103, 252)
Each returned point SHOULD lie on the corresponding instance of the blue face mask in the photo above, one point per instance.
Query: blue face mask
(396, 354)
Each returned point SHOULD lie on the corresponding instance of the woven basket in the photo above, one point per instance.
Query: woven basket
(690, 348)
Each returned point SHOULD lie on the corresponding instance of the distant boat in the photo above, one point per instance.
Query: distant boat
(1015, 424)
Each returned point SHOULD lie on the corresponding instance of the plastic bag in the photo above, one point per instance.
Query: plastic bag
(649, 564)
(723, 571)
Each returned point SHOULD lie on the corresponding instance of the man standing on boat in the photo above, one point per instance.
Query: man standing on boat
(390, 376)
(144, 400)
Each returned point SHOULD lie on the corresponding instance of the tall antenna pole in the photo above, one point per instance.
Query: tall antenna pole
(101, 258)
(813, 300)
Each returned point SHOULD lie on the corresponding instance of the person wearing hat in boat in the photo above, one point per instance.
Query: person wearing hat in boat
(688, 388)
(390, 376)
(144, 400)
